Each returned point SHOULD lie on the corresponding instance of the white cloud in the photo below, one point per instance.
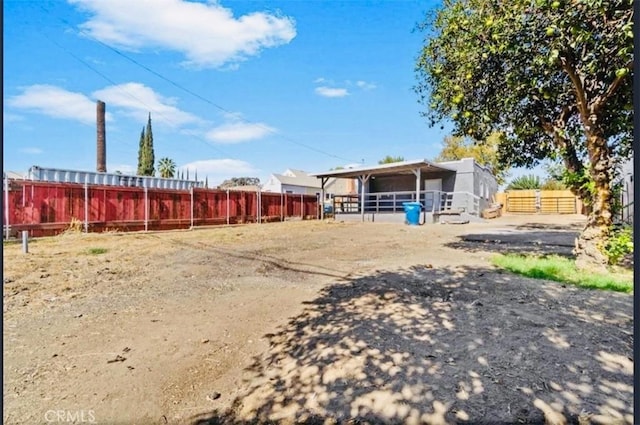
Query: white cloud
(331, 92)
(365, 85)
(207, 34)
(31, 151)
(237, 132)
(139, 100)
(319, 80)
(57, 102)
(219, 167)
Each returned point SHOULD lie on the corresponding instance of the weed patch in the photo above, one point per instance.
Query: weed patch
(561, 269)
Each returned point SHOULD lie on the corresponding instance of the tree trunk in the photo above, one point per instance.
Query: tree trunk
(589, 254)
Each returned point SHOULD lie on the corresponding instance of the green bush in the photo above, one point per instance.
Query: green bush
(620, 243)
(525, 182)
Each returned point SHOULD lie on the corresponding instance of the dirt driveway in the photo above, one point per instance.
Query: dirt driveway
(316, 322)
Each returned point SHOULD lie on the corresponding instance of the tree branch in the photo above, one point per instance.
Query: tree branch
(579, 89)
(600, 101)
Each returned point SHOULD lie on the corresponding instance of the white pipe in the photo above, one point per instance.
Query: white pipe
(146, 209)
(86, 208)
(227, 206)
(191, 191)
(25, 241)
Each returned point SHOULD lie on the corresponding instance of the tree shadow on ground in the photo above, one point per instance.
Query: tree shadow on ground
(529, 238)
(439, 346)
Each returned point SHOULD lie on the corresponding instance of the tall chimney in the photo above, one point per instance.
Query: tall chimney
(101, 144)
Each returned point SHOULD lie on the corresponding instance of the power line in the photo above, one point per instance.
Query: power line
(85, 63)
(196, 95)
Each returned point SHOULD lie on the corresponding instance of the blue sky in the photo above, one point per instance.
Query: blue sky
(234, 88)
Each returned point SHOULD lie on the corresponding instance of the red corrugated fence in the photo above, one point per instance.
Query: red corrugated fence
(45, 208)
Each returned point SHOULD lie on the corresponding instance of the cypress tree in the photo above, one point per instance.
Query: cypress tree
(141, 155)
(149, 159)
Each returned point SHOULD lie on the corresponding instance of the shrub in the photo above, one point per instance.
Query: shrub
(620, 243)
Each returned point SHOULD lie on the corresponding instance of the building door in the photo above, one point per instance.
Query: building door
(432, 187)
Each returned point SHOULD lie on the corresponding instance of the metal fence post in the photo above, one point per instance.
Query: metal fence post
(86, 208)
(146, 209)
(259, 207)
(302, 206)
(191, 191)
(227, 207)
(6, 205)
(281, 207)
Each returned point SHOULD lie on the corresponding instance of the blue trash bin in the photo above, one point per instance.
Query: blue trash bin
(412, 212)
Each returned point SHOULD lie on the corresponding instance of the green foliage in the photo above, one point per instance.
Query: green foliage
(619, 244)
(561, 269)
(525, 182)
(484, 152)
(167, 168)
(240, 181)
(146, 157)
(551, 184)
(494, 66)
(390, 159)
(96, 251)
(581, 183)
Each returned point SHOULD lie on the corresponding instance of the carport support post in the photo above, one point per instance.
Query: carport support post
(417, 174)
(86, 208)
(363, 180)
(323, 181)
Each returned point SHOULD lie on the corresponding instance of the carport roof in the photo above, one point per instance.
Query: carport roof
(404, 167)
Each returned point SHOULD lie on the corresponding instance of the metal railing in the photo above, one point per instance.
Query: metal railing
(433, 201)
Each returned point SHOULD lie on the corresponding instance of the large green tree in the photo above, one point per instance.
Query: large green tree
(146, 157)
(554, 76)
(484, 152)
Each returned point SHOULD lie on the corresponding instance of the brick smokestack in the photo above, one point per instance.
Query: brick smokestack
(101, 142)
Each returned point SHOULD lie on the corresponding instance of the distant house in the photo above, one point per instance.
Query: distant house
(14, 175)
(461, 187)
(300, 182)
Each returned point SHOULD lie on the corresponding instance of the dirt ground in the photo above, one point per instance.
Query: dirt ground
(310, 322)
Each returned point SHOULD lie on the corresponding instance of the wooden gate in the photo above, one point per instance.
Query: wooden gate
(539, 201)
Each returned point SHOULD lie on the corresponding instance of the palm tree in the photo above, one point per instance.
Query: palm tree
(167, 168)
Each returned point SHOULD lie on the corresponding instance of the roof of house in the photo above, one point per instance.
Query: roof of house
(14, 175)
(404, 167)
(302, 180)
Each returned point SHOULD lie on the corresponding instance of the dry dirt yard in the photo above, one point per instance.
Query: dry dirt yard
(310, 322)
